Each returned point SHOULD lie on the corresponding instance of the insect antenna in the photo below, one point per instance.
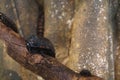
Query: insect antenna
(40, 23)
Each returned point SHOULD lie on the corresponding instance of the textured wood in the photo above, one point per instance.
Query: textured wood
(92, 38)
(47, 67)
(60, 33)
(117, 48)
(58, 16)
(24, 13)
(27, 12)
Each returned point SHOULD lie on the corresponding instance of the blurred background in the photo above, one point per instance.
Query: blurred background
(85, 33)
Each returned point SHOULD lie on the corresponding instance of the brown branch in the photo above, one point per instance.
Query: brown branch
(47, 67)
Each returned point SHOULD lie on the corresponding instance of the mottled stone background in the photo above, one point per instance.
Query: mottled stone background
(85, 33)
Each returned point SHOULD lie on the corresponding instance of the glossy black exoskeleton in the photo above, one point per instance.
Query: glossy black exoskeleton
(85, 73)
(40, 45)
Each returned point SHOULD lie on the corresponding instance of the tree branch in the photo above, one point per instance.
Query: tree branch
(47, 67)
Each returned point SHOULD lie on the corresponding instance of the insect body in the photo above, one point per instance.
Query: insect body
(35, 44)
(40, 44)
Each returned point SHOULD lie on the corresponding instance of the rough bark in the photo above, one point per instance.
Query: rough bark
(58, 16)
(96, 23)
(24, 13)
(47, 67)
(93, 38)
(117, 48)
